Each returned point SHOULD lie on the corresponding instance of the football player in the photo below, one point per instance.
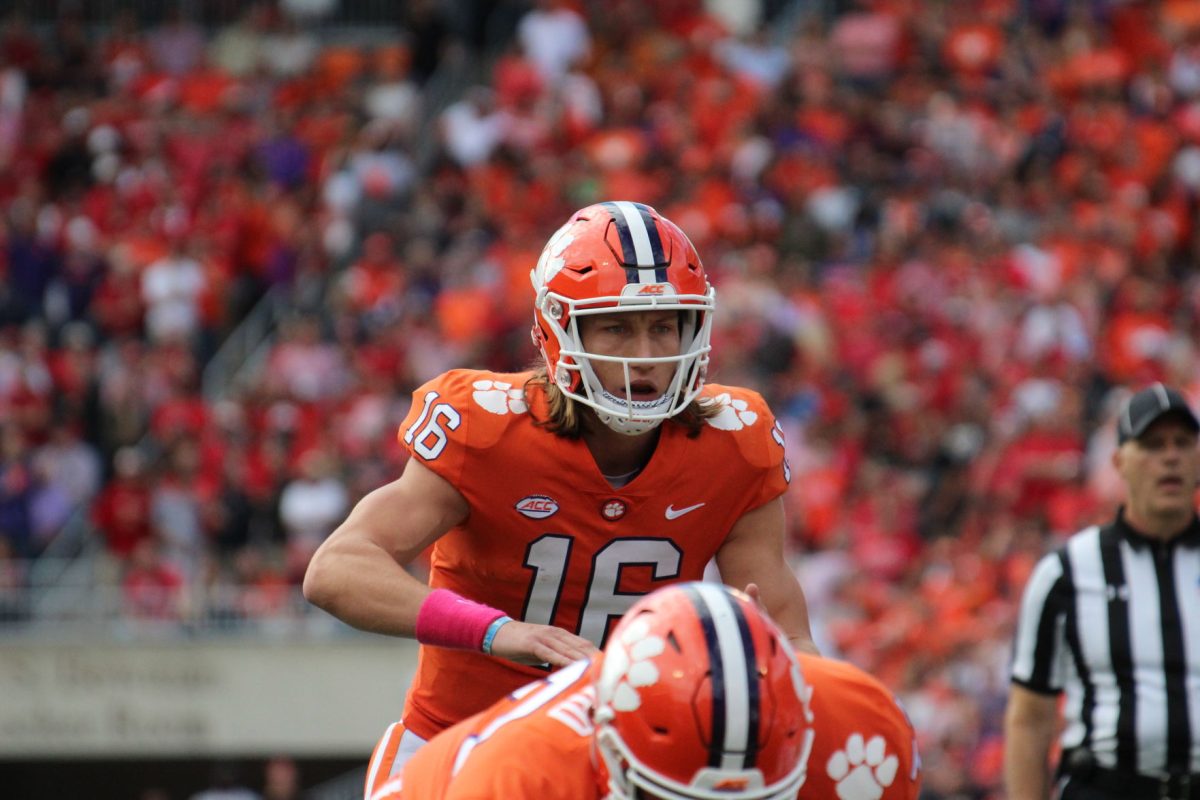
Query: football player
(553, 499)
(697, 695)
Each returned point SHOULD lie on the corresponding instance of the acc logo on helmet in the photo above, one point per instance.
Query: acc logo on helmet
(648, 290)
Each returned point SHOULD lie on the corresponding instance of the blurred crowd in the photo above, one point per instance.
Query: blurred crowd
(947, 238)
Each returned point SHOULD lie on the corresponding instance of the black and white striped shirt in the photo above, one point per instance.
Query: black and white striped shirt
(1113, 619)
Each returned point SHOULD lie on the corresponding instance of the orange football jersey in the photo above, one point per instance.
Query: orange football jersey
(536, 744)
(545, 754)
(865, 747)
(548, 540)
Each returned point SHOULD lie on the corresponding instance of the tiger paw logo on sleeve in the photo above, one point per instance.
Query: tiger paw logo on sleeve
(499, 397)
(861, 769)
(734, 414)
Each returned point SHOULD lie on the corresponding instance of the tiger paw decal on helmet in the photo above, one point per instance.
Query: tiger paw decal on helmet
(628, 666)
(499, 397)
(551, 261)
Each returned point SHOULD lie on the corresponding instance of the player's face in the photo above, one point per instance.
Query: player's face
(1161, 469)
(633, 334)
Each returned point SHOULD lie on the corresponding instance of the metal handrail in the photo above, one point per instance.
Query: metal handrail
(241, 342)
(107, 608)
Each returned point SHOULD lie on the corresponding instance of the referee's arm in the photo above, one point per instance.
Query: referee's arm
(1030, 723)
(1031, 719)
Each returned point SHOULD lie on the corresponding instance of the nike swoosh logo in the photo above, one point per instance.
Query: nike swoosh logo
(676, 513)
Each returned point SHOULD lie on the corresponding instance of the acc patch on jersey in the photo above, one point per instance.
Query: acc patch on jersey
(537, 506)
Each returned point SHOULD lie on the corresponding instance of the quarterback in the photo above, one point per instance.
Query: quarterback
(553, 499)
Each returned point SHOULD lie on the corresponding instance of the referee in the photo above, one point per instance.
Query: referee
(1112, 619)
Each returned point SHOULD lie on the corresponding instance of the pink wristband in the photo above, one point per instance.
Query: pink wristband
(447, 619)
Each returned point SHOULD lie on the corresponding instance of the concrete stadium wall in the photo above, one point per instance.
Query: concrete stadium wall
(327, 698)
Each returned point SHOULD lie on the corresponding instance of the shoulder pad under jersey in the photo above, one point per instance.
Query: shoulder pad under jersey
(462, 410)
(744, 415)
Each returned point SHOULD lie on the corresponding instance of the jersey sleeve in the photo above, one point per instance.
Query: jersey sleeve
(457, 413)
(864, 744)
(534, 747)
(745, 416)
(1039, 647)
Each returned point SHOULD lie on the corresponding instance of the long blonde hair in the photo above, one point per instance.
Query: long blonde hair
(564, 417)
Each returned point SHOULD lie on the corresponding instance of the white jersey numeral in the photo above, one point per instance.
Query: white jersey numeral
(777, 435)
(419, 437)
(548, 557)
(533, 696)
(412, 429)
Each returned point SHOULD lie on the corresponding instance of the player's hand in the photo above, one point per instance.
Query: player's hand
(801, 644)
(530, 643)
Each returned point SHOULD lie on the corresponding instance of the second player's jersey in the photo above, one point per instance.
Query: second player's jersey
(548, 540)
(865, 747)
(535, 743)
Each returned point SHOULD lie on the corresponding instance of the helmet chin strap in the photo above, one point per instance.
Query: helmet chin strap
(612, 411)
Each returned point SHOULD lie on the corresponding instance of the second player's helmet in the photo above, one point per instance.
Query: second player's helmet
(621, 256)
(700, 696)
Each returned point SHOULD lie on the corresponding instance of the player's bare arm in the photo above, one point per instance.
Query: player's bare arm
(1030, 724)
(358, 574)
(753, 553)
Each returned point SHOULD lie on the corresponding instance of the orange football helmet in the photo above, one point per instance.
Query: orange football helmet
(621, 256)
(700, 696)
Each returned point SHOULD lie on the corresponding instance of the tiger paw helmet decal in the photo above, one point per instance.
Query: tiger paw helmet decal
(628, 666)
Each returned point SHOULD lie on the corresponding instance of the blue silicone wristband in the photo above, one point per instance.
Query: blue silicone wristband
(488, 636)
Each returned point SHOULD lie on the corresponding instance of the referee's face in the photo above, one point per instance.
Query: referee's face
(1161, 469)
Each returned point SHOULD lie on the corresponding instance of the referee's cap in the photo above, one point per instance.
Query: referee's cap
(1147, 406)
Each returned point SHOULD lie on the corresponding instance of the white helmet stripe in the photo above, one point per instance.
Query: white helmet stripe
(732, 669)
(642, 249)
